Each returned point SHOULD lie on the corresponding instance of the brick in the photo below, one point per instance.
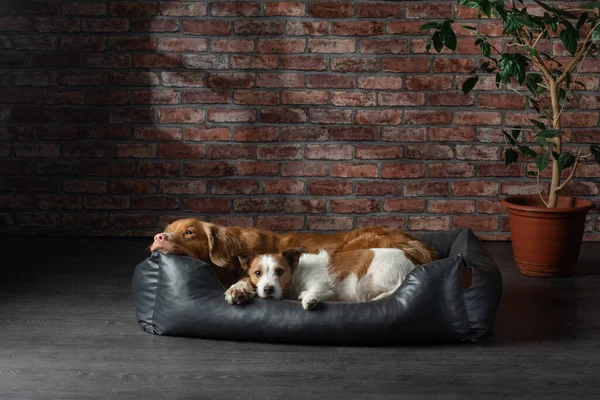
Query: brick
(36, 150)
(183, 79)
(305, 205)
(247, 222)
(55, 59)
(476, 152)
(450, 170)
(165, 60)
(83, 221)
(330, 116)
(87, 150)
(133, 9)
(330, 9)
(207, 205)
(135, 43)
(384, 46)
(329, 187)
(157, 134)
(383, 82)
(401, 99)
(380, 10)
(428, 223)
(258, 27)
(108, 61)
(328, 152)
(183, 186)
(354, 206)
(331, 46)
(329, 81)
(256, 97)
(156, 97)
(84, 8)
(185, 9)
(257, 168)
(232, 151)
(398, 223)
(206, 27)
(135, 150)
(453, 65)
(155, 25)
(379, 117)
(402, 171)
(301, 134)
(491, 206)
(235, 9)
(490, 135)
(254, 62)
(108, 97)
(353, 170)
(306, 28)
(580, 188)
(501, 101)
(428, 82)
(202, 61)
(182, 150)
(16, 166)
(329, 223)
(105, 25)
(158, 169)
(234, 186)
(208, 169)
(181, 115)
(62, 168)
(355, 64)
(27, 184)
(476, 223)
(371, 152)
(132, 115)
(429, 152)
(439, 189)
(106, 202)
(280, 223)
(427, 117)
(499, 169)
(283, 115)
(451, 134)
(353, 133)
(231, 115)
(280, 152)
(131, 221)
(285, 80)
(451, 206)
(403, 134)
(283, 186)
(202, 133)
(258, 205)
(231, 80)
(285, 8)
(137, 78)
(521, 188)
(133, 186)
(13, 60)
(371, 188)
(477, 118)
(30, 114)
(412, 64)
(39, 79)
(304, 97)
(255, 134)
(590, 102)
(579, 119)
(57, 202)
(313, 63)
(357, 28)
(404, 205)
(280, 46)
(450, 99)
(36, 219)
(182, 44)
(304, 168)
(404, 28)
(57, 25)
(475, 188)
(232, 45)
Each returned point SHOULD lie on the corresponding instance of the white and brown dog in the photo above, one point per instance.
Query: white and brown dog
(354, 276)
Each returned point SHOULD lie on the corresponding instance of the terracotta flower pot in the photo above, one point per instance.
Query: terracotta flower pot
(546, 241)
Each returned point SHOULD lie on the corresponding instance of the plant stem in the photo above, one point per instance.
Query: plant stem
(557, 146)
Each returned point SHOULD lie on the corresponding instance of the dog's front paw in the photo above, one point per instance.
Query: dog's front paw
(308, 301)
(239, 293)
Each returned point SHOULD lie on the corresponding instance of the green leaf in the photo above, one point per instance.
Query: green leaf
(437, 41)
(486, 49)
(510, 156)
(510, 138)
(555, 10)
(596, 33)
(540, 141)
(471, 28)
(429, 25)
(448, 38)
(582, 19)
(595, 152)
(565, 160)
(527, 152)
(486, 7)
(591, 5)
(469, 84)
(542, 160)
(550, 133)
(538, 124)
(533, 81)
(568, 37)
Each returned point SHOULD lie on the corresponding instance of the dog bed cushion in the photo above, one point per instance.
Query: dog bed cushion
(453, 299)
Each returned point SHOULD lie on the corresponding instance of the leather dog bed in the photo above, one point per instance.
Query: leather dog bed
(453, 299)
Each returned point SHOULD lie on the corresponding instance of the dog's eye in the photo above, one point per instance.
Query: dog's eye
(279, 272)
(188, 232)
(257, 273)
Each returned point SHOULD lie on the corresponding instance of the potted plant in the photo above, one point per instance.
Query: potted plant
(547, 228)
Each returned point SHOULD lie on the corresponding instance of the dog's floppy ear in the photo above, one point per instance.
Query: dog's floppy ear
(222, 245)
(246, 260)
(292, 256)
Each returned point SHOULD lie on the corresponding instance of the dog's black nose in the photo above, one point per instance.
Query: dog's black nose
(269, 290)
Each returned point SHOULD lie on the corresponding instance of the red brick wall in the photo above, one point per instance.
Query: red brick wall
(118, 116)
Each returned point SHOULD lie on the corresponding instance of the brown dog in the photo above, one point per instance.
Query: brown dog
(221, 245)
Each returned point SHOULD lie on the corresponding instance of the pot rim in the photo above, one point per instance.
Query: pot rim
(508, 203)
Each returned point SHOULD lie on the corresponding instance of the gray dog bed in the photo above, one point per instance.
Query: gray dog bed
(453, 299)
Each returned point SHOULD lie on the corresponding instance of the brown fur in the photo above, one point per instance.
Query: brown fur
(252, 265)
(351, 262)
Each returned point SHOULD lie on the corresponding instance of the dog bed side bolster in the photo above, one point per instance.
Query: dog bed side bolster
(144, 289)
